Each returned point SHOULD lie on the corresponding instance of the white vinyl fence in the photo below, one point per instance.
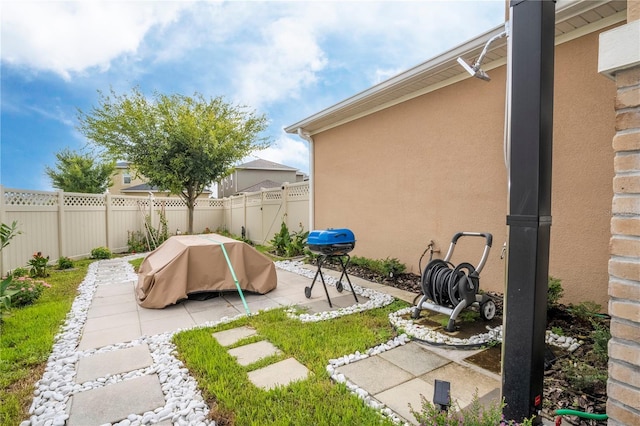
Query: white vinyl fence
(72, 224)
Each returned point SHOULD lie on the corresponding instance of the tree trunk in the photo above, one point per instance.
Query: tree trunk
(190, 205)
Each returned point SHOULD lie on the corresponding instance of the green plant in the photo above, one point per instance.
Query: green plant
(385, 267)
(558, 331)
(136, 242)
(475, 414)
(7, 233)
(20, 272)
(38, 265)
(101, 253)
(65, 263)
(584, 377)
(25, 291)
(601, 335)
(26, 339)
(289, 244)
(554, 292)
(586, 310)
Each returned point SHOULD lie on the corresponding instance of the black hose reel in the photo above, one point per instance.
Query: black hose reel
(448, 289)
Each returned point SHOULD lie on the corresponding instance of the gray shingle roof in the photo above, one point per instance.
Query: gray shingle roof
(264, 165)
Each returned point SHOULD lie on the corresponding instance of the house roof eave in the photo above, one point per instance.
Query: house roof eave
(573, 18)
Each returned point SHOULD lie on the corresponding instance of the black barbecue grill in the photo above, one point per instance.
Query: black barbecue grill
(331, 244)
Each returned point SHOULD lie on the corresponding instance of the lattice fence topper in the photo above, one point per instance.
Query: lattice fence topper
(298, 191)
(30, 198)
(125, 201)
(215, 202)
(170, 202)
(84, 200)
(237, 201)
(273, 195)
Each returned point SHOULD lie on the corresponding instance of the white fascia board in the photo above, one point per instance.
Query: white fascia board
(619, 49)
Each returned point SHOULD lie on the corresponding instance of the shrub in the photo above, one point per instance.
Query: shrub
(65, 263)
(586, 310)
(38, 265)
(137, 242)
(601, 335)
(554, 292)
(474, 414)
(20, 272)
(386, 267)
(24, 291)
(101, 253)
(289, 245)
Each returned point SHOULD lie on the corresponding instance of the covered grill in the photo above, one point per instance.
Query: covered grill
(331, 243)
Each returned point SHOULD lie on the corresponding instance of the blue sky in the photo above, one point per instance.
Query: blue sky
(287, 60)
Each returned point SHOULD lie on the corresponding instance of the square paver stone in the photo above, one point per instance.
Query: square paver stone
(375, 374)
(113, 403)
(399, 397)
(414, 359)
(229, 337)
(279, 374)
(248, 354)
(114, 362)
(464, 382)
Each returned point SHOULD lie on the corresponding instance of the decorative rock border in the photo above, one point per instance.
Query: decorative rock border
(430, 336)
(355, 389)
(376, 299)
(184, 403)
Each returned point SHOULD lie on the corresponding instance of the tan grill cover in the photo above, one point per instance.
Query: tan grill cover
(188, 264)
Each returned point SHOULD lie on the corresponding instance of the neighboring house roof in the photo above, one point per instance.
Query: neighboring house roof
(261, 164)
(574, 18)
(122, 164)
(264, 184)
(145, 187)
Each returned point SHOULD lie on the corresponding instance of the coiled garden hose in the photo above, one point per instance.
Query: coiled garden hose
(581, 414)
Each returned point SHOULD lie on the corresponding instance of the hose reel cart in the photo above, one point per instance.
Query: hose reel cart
(448, 289)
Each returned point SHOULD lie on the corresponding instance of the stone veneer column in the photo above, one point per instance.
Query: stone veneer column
(619, 59)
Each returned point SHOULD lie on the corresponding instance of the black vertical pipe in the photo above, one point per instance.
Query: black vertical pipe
(529, 219)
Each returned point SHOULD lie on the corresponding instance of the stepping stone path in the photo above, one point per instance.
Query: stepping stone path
(277, 374)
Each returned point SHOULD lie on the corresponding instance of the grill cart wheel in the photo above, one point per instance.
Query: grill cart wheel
(488, 310)
(307, 292)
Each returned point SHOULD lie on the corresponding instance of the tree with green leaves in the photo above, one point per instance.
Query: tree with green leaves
(178, 143)
(76, 172)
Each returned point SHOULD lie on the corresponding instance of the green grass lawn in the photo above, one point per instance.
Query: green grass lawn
(26, 340)
(315, 401)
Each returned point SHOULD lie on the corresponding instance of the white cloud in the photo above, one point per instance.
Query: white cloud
(288, 151)
(286, 60)
(69, 37)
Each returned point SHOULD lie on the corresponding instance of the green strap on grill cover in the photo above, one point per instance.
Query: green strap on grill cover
(233, 272)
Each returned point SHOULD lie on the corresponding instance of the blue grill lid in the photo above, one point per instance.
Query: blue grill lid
(330, 236)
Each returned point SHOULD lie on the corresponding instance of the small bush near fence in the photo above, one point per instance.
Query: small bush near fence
(38, 265)
(289, 244)
(65, 263)
(101, 253)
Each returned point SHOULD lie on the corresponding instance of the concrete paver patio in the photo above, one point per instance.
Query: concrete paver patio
(396, 377)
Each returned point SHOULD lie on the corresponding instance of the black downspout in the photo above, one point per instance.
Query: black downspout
(529, 219)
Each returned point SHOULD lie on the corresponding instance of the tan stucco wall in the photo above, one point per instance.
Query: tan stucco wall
(433, 166)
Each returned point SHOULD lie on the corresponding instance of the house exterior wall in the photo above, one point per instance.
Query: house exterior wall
(118, 181)
(444, 150)
(244, 178)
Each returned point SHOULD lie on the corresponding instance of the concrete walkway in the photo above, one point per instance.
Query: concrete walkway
(131, 382)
